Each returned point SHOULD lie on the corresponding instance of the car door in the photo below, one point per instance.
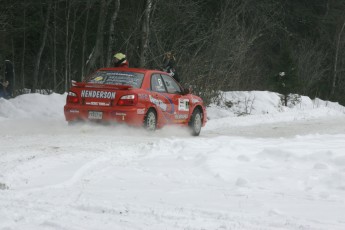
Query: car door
(160, 99)
(180, 110)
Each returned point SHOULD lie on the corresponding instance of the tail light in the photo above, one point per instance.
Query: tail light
(72, 98)
(131, 99)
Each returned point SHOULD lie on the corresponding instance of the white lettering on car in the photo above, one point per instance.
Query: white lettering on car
(140, 111)
(181, 116)
(158, 103)
(97, 103)
(97, 94)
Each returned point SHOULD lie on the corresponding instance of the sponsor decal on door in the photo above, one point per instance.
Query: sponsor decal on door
(183, 104)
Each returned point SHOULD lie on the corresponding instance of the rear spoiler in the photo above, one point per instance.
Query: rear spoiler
(104, 86)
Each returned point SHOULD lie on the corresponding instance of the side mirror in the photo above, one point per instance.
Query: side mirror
(185, 91)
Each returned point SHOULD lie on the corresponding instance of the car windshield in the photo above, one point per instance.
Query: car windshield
(116, 78)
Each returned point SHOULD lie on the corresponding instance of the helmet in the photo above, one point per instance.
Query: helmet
(120, 56)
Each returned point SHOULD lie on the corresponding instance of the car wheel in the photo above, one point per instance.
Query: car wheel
(150, 122)
(196, 122)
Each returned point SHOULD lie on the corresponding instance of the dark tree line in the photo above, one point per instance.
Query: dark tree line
(218, 45)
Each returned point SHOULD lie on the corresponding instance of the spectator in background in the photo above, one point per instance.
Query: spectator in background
(9, 76)
(169, 65)
(3, 89)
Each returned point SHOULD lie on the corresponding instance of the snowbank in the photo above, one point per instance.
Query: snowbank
(238, 103)
(33, 106)
(232, 104)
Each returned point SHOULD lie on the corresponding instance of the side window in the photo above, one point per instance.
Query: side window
(157, 83)
(171, 85)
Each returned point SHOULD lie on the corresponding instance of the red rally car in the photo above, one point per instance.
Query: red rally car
(137, 97)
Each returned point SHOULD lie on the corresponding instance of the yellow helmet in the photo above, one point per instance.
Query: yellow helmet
(120, 56)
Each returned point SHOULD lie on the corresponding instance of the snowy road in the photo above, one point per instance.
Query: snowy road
(254, 172)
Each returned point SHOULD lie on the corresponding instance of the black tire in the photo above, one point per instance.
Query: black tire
(150, 121)
(195, 122)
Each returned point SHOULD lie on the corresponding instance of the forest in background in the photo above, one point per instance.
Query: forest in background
(286, 46)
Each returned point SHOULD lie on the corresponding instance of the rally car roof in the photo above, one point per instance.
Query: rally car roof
(139, 70)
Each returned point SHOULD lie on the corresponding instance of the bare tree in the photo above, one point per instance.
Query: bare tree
(24, 47)
(145, 32)
(336, 56)
(97, 51)
(70, 44)
(40, 50)
(111, 37)
(84, 38)
(311, 67)
(67, 20)
(54, 58)
(3, 19)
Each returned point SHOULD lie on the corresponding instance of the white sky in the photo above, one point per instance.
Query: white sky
(279, 168)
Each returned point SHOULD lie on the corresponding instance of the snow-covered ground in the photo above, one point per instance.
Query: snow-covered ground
(279, 168)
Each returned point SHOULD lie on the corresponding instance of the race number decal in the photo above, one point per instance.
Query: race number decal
(183, 104)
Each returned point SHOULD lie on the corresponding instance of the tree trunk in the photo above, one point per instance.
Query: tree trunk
(70, 46)
(40, 50)
(84, 39)
(13, 83)
(335, 67)
(97, 52)
(111, 37)
(145, 32)
(68, 11)
(24, 47)
(54, 51)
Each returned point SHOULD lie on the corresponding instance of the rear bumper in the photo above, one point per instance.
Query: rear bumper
(124, 114)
